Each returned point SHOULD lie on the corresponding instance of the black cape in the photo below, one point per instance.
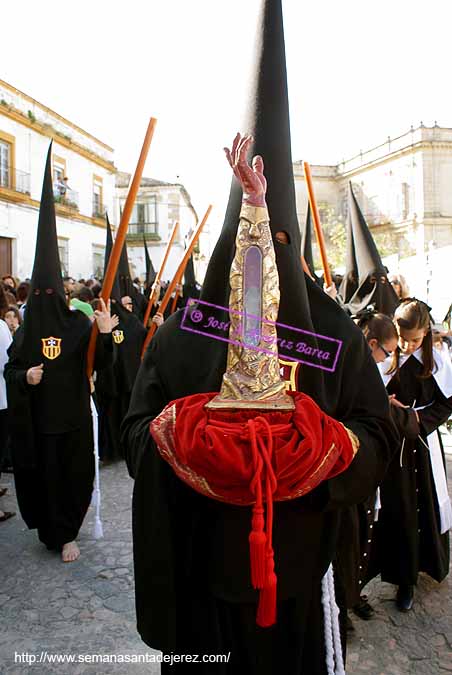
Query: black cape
(187, 548)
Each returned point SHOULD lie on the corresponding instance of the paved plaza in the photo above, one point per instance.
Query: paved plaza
(88, 607)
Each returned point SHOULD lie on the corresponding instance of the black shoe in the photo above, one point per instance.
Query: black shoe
(364, 610)
(404, 599)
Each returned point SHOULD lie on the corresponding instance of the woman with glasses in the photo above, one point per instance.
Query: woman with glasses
(380, 333)
(415, 513)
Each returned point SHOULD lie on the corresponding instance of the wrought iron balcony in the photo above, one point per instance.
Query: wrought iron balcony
(150, 231)
(69, 200)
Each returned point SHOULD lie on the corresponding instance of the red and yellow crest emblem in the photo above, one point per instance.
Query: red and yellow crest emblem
(118, 336)
(51, 347)
(288, 370)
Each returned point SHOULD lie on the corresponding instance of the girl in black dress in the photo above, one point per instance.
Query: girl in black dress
(415, 511)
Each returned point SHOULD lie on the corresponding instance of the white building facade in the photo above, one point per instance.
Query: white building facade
(26, 129)
(158, 207)
(403, 187)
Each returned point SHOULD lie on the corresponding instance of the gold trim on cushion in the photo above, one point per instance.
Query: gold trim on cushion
(354, 440)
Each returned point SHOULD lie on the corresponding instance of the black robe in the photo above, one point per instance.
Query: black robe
(54, 465)
(115, 383)
(408, 538)
(191, 553)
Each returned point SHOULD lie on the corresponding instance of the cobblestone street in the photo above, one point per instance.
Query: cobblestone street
(88, 607)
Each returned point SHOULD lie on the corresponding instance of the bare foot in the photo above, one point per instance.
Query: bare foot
(70, 552)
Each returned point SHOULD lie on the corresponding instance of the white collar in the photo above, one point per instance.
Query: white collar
(442, 371)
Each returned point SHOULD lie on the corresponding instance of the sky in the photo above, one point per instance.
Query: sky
(359, 71)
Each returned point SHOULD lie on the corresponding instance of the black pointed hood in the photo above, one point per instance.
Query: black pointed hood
(52, 333)
(150, 271)
(46, 273)
(267, 120)
(123, 284)
(191, 287)
(365, 281)
(115, 292)
(303, 305)
(306, 245)
(128, 336)
(126, 286)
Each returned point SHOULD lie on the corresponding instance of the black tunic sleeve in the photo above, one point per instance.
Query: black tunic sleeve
(406, 422)
(436, 413)
(103, 357)
(147, 401)
(20, 419)
(367, 415)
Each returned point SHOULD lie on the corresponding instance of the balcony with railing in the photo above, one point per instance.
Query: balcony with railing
(66, 200)
(149, 230)
(14, 184)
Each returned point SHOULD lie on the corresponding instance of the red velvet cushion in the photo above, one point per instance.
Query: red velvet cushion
(211, 450)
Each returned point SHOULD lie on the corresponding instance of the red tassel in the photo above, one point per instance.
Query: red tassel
(266, 611)
(258, 546)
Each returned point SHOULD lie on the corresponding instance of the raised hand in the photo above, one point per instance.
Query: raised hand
(252, 179)
(103, 317)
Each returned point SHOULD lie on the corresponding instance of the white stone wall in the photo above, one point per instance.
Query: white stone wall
(403, 186)
(18, 221)
(187, 222)
(44, 115)
(428, 277)
(326, 189)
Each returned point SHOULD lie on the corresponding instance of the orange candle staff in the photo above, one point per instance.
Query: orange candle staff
(317, 225)
(152, 297)
(176, 295)
(172, 285)
(113, 262)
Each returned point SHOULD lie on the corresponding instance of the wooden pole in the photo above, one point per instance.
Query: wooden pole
(152, 297)
(317, 225)
(121, 234)
(176, 295)
(172, 285)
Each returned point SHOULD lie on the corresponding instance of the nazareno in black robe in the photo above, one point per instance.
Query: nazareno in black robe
(408, 538)
(52, 437)
(191, 553)
(51, 424)
(114, 384)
